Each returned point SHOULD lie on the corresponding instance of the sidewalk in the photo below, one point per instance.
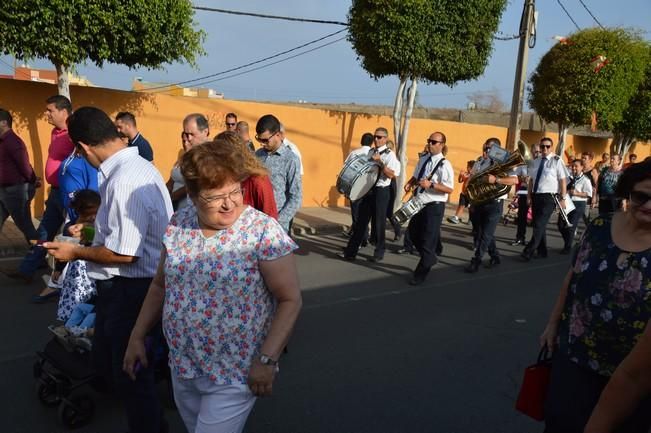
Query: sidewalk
(308, 221)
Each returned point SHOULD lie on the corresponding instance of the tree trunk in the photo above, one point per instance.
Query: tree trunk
(562, 136)
(402, 146)
(626, 145)
(397, 112)
(63, 83)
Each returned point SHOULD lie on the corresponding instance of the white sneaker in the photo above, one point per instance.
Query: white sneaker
(454, 220)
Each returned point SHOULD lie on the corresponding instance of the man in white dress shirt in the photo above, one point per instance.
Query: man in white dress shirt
(547, 177)
(376, 202)
(432, 181)
(579, 188)
(487, 214)
(123, 259)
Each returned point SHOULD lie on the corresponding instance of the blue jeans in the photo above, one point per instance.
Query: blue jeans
(53, 218)
(15, 202)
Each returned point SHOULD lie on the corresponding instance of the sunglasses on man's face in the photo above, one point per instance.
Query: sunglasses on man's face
(230, 124)
(545, 146)
(433, 142)
(265, 140)
(639, 197)
(380, 137)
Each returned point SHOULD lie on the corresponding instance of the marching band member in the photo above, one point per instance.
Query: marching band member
(432, 181)
(486, 215)
(547, 177)
(579, 188)
(376, 202)
(523, 206)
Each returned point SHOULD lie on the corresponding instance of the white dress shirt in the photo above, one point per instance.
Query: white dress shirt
(553, 171)
(582, 184)
(444, 174)
(132, 216)
(390, 160)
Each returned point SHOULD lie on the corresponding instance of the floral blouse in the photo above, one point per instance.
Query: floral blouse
(608, 304)
(217, 309)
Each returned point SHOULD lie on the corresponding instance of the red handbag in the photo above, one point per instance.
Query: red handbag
(531, 399)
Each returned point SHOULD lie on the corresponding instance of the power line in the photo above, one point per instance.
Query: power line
(169, 86)
(568, 14)
(591, 14)
(274, 17)
(264, 66)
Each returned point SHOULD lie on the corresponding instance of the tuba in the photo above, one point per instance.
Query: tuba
(479, 190)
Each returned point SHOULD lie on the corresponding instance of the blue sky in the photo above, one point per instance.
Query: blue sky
(333, 74)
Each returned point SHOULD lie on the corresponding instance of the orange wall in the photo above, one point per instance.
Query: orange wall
(324, 137)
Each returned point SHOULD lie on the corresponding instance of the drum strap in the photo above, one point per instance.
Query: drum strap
(431, 175)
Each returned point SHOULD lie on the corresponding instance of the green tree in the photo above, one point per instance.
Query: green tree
(434, 41)
(636, 120)
(135, 33)
(594, 73)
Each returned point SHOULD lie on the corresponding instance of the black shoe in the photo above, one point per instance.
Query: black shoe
(375, 259)
(565, 250)
(526, 256)
(417, 280)
(473, 266)
(539, 255)
(20, 277)
(517, 242)
(363, 244)
(42, 299)
(343, 256)
(494, 261)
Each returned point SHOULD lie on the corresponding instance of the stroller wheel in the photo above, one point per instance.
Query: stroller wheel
(77, 411)
(47, 393)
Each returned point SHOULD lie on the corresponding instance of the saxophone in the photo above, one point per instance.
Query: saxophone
(480, 191)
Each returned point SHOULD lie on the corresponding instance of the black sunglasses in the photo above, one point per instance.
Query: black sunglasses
(639, 197)
(546, 146)
(433, 142)
(266, 140)
(230, 124)
(380, 137)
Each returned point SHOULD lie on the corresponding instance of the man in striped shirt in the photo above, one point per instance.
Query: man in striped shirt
(124, 257)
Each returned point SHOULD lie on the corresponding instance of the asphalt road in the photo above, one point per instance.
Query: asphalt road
(370, 353)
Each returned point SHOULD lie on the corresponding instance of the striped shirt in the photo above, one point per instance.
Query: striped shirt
(133, 216)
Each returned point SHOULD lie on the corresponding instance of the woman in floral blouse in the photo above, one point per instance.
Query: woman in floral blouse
(227, 291)
(602, 310)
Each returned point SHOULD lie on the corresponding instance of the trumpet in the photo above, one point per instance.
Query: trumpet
(561, 211)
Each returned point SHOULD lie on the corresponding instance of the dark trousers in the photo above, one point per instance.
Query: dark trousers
(51, 222)
(575, 216)
(543, 205)
(373, 205)
(487, 216)
(15, 203)
(354, 214)
(609, 204)
(572, 395)
(117, 306)
(474, 223)
(425, 233)
(523, 211)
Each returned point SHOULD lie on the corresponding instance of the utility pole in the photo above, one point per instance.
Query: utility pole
(526, 28)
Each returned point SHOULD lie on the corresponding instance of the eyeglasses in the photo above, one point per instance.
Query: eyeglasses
(546, 146)
(233, 196)
(639, 197)
(380, 137)
(265, 140)
(433, 142)
(230, 124)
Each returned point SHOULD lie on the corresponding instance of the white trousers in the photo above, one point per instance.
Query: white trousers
(209, 408)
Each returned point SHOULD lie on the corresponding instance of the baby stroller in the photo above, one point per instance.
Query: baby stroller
(62, 368)
(511, 215)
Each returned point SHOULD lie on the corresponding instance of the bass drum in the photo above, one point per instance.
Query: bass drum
(357, 177)
(408, 210)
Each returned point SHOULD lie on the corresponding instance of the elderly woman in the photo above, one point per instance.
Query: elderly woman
(602, 309)
(228, 293)
(609, 202)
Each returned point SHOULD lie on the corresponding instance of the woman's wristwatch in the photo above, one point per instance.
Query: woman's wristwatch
(267, 360)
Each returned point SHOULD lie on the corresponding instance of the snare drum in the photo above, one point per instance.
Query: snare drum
(408, 210)
(357, 177)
